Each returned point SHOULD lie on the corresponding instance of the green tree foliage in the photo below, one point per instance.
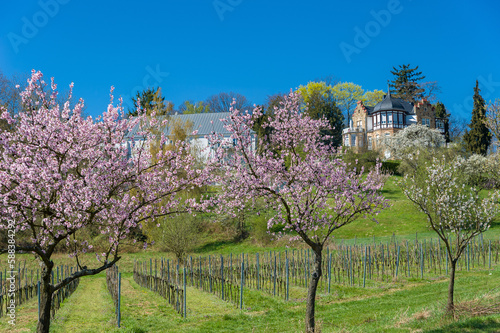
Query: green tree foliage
(319, 102)
(478, 138)
(405, 84)
(151, 100)
(371, 98)
(178, 235)
(189, 107)
(346, 96)
(441, 113)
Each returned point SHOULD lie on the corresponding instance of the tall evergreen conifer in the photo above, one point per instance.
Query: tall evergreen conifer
(478, 138)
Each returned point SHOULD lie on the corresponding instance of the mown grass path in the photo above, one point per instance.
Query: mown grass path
(89, 309)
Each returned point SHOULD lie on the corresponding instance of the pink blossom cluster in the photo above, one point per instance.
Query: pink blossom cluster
(61, 172)
(312, 191)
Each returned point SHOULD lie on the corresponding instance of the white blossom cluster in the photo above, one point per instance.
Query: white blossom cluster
(440, 191)
(414, 136)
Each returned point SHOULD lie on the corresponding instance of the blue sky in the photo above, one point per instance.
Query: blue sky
(196, 48)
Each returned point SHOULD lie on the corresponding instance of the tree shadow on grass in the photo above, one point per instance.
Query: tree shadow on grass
(487, 325)
(213, 246)
(392, 193)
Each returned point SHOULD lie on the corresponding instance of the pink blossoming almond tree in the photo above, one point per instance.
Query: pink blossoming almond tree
(311, 190)
(61, 173)
(454, 210)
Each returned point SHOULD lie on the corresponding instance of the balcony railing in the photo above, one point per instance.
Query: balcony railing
(357, 129)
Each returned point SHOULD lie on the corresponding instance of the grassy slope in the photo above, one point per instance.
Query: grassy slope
(349, 309)
(415, 306)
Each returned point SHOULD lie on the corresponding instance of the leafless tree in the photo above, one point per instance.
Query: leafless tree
(330, 80)
(493, 119)
(273, 101)
(458, 125)
(9, 94)
(222, 102)
(431, 90)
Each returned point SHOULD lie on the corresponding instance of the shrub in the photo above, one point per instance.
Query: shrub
(366, 160)
(391, 167)
(178, 235)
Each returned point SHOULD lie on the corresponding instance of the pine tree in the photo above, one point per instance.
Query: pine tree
(405, 83)
(151, 99)
(440, 110)
(478, 138)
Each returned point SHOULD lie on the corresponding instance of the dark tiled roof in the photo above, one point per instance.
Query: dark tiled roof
(391, 103)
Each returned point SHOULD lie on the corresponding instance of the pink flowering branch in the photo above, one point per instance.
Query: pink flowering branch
(311, 191)
(61, 173)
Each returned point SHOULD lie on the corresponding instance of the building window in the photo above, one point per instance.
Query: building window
(346, 140)
(426, 122)
(370, 143)
(353, 141)
(383, 119)
(439, 124)
(390, 119)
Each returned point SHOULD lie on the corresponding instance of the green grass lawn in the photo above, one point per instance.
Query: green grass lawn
(415, 306)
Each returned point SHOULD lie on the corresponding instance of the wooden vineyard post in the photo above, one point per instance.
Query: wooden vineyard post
(329, 271)
(119, 314)
(397, 263)
(383, 261)
(274, 281)
(222, 275)
(489, 255)
(150, 272)
(258, 280)
(421, 262)
(210, 272)
(468, 257)
(184, 295)
(242, 281)
(287, 279)
(370, 262)
(364, 268)
(351, 263)
(408, 258)
(38, 290)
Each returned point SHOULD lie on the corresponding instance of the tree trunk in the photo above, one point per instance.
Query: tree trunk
(450, 307)
(45, 300)
(311, 292)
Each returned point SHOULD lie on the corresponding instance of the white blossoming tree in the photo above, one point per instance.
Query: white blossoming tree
(413, 137)
(455, 211)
